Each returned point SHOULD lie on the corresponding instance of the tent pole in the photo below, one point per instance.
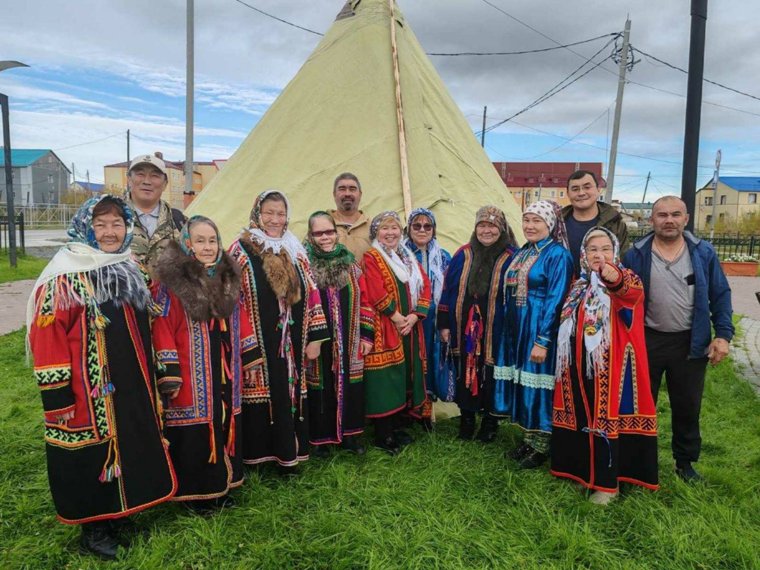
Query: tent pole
(405, 189)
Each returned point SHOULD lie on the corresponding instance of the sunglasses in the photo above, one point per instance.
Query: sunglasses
(420, 227)
(328, 233)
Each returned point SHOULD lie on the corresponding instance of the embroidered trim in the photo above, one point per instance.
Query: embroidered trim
(528, 379)
(54, 376)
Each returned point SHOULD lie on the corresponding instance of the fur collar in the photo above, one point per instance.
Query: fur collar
(203, 297)
(280, 270)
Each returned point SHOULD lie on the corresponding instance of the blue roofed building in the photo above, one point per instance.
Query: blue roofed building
(736, 198)
(84, 186)
(39, 176)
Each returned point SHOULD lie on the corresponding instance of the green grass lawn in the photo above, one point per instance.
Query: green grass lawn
(27, 267)
(441, 503)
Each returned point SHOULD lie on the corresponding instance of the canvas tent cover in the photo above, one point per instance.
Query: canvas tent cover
(339, 114)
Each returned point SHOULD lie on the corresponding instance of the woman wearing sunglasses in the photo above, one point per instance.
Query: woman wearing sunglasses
(421, 241)
(335, 379)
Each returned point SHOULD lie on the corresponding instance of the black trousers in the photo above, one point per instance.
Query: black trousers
(685, 378)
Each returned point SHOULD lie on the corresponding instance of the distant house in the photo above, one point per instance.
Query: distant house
(737, 197)
(83, 186)
(639, 211)
(532, 181)
(39, 176)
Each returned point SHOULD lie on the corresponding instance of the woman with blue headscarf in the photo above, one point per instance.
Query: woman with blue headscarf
(89, 332)
(197, 336)
(421, 241)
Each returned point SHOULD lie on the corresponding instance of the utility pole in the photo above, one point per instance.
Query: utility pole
(128, 157)
(644, 197)
(483, 132)
(693, 107)
(189, 99)
(622, 67)
(716, 179)
(9, 165)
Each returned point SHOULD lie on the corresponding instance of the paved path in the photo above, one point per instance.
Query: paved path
(42, 238)
(13, 297)
(746, 352)
(743, 296)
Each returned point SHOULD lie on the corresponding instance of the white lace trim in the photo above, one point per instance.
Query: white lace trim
(529, 379)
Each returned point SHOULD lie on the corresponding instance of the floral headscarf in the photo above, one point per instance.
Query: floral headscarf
(590, 291)
(434, 252)
(255, 217)
(186, 245)
(378, 220)
(401, 261)
(81, 230)
(493, 215)
(551, 212)
(287, 242)
(519, 268)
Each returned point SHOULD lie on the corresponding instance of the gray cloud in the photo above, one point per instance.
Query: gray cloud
(242, 56)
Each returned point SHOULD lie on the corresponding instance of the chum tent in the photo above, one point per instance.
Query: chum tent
(341, 112)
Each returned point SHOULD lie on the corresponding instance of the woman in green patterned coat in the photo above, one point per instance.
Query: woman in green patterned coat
(90, 337)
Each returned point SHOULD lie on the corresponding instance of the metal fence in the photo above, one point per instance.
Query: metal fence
(725, 244)
(45, 216)
(20, 233)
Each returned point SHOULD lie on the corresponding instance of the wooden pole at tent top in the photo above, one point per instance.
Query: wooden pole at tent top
(405, 189)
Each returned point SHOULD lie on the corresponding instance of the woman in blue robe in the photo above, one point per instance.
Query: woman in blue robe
(471, 317)
(537, 281)
(421, 240)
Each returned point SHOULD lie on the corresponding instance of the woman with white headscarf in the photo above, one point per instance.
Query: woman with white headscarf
(89, 331)
(394, 371)
(536, 283)
(605, 420)
(283, 305)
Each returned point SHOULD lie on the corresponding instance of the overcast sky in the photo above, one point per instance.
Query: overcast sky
(100, 68)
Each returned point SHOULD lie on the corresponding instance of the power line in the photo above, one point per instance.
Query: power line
(682, 70)
(540, 50)
(558, 87)
(540, 33)
(602, 148)
(120, 133)
(684, 96)
(571, 139)
(278, 19)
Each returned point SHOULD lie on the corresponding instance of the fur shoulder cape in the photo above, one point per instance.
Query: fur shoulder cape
(203, 297)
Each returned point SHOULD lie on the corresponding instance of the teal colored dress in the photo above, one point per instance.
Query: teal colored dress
(523, 389)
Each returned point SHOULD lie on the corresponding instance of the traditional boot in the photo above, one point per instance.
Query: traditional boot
(488, 427)
(467, 425)
(97, 539)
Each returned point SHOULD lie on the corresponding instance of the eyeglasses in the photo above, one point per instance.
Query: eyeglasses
(604, 249)
(328, 233)
(422, 227)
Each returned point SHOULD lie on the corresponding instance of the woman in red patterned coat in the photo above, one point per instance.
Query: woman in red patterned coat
(202, 347)
(394, 370)
(604, 418)
(89, 330)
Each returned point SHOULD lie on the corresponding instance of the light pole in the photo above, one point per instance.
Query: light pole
(716, 179)
(8, 166)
